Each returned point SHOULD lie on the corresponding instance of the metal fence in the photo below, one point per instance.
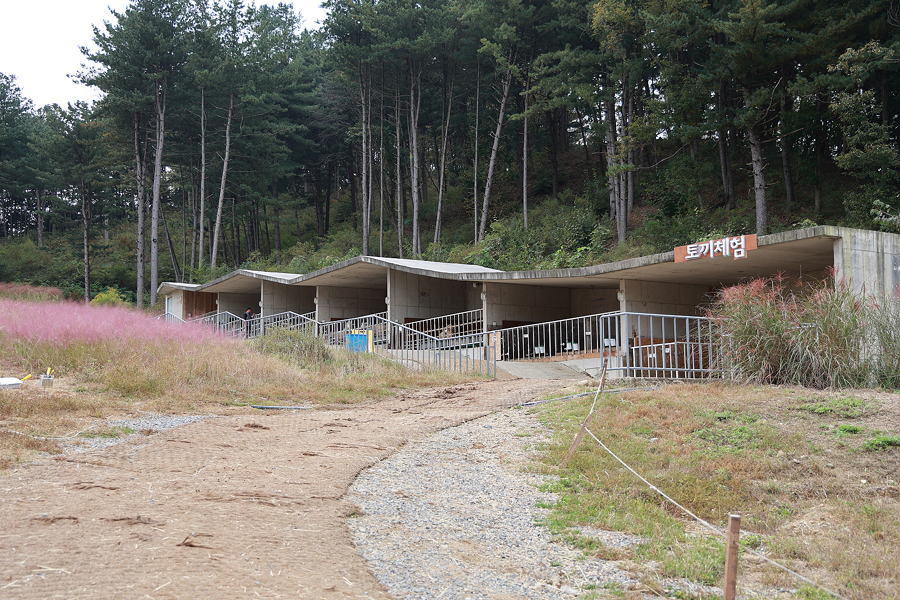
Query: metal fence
(670, 347)
(447, 326)
(468, 353)
(169, 318)
(581, 337)
(636, 345)
(227, 323)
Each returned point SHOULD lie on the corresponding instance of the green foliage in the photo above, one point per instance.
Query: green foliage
(847, 408)
(109, 297)
(882, 441)
(300, 346)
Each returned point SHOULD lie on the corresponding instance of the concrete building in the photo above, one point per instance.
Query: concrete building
(676, 283)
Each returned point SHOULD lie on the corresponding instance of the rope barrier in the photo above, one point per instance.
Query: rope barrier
(709, 525)
(616, 391)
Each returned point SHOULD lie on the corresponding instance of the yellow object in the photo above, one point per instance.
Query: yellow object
(48, 370)
(26, 378)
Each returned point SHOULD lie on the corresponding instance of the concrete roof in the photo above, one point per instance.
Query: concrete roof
(167, 287)
(371, 271)
(790, 252)
(245, 281)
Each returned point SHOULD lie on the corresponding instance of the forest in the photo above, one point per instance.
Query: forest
(513, 134)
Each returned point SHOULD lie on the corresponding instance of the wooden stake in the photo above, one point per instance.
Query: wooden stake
(587, 421)
(731, 556)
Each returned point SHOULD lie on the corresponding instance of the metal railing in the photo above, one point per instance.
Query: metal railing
(469, 353)
(464, 323)
(670, 346)
(335, 332)
(227, 323)
(169, 318)
(206, 316)
(566, 339)
(288, 319)
(636, 345)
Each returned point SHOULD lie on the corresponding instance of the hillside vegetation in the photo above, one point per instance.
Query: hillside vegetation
(507, 134)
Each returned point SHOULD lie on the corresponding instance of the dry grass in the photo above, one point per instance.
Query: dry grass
(792, 461)
(115, 361)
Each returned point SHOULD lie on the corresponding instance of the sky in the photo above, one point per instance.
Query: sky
(39, 42)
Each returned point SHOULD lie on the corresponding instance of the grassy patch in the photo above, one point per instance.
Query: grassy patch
(730, 449)
(845, 407)
(107, 432)
(881, 441)
(114, 360)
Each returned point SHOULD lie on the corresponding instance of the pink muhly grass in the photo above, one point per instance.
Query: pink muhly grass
(67, 323)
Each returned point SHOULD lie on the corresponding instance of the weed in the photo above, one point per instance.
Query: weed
(847, 429)
(847, 408)
(808, 592)
(881, 441)
(107, 433)
(753, 540)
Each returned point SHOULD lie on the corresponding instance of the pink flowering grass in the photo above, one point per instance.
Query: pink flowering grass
(134, 354)
(824, 335)
(23, 291)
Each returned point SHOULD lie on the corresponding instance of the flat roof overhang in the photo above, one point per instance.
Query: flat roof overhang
(792, 253)
(369, 272)
(244, 281)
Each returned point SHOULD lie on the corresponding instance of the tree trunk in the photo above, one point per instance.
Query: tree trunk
(214, 252)
(202, 173)
(276, 209)
(759, 180)
(475, 178)
(507, 83)
(175, 266)
(157, 186)
(399, 172)
(787, 105)
(442, 162)
(617, 199)
(525, 166)
(728, 190)
(415, 103)
(86, 229)
(364, 159)
(40, 217)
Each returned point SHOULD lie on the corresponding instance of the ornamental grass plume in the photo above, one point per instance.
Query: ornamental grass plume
(823, 335)
(129, 352)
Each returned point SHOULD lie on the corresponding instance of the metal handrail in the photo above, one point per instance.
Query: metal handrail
(169, 318)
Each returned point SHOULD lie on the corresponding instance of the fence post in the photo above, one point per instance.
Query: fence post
(731, 556)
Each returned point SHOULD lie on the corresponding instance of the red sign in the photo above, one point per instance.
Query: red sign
(736, 246)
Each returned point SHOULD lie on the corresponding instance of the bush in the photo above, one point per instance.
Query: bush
(109, 297)
(821, 336)
(300, 346)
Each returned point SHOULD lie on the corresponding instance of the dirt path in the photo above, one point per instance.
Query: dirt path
(232, 507)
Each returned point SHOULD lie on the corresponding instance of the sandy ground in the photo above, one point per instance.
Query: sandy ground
(232, 507)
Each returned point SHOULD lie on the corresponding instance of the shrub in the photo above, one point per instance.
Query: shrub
(820, 336)
(300, 346)
(109, 297)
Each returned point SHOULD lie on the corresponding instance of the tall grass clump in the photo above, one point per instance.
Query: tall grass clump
(130, 353)
(23, 291)
(300, 346)
(338, 375)
(824, 335)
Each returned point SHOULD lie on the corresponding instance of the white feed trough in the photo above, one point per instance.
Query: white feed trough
(10, 383)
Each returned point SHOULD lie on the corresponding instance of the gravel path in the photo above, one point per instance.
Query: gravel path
(453, 516)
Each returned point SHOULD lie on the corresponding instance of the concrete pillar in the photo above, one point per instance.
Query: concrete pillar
(267, 299)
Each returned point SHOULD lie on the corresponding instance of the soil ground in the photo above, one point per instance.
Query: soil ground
(231, 507)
